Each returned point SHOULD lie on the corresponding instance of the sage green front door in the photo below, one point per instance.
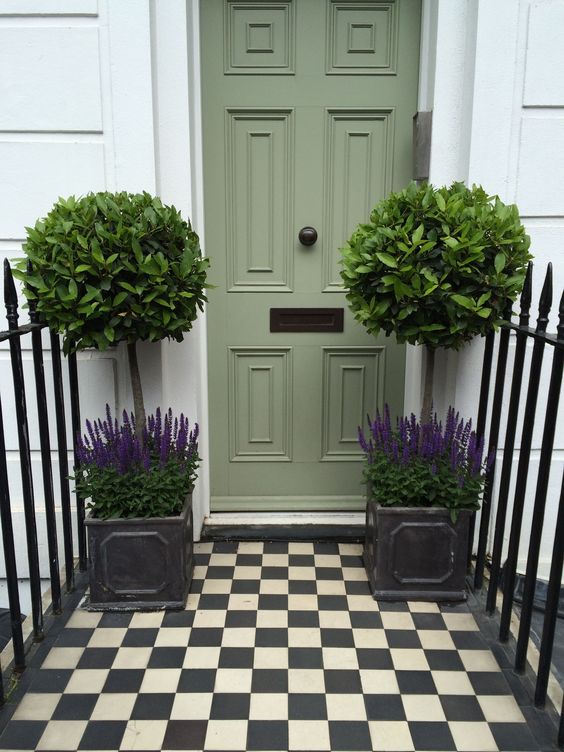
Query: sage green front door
(307, 121)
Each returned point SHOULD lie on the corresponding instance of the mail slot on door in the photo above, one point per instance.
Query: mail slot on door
(306, 319)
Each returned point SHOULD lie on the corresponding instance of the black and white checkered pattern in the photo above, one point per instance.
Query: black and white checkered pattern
(280, 647)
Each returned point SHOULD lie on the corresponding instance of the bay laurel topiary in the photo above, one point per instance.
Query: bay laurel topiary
(435, 266)
(114, 267)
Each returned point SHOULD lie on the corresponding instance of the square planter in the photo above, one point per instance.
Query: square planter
(140, 563)
(416, 553)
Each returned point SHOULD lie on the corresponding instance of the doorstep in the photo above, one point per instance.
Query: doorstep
(288, 526)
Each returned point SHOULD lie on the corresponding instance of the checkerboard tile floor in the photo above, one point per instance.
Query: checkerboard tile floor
(280, 647)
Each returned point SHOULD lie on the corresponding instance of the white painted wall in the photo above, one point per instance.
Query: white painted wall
(498, 120)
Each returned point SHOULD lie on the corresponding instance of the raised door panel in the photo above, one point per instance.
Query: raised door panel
(358, 165)
(259, 153)
(259, 37)
(260, 404)
(353, 386)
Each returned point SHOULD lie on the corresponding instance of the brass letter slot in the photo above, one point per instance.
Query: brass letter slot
(306, 319)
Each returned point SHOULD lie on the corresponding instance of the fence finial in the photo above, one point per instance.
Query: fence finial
(526, 296)
(10, 297)
(560, 328)
(545, 302)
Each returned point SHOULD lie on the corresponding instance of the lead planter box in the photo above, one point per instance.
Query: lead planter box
(140, 563)
(415, 553)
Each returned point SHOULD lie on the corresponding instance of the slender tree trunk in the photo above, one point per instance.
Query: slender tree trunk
(138, 404)
(427, 407)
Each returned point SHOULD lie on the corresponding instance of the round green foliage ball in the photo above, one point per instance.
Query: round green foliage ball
(114, 267)
(435, 266)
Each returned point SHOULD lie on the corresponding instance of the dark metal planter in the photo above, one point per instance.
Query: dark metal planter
(415, 553)
(141, 563)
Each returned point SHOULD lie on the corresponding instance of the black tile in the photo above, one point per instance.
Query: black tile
(342, 681)
(201, 560)
(22, 734)
(302, 587)
(512, 737)
(97, 658)
(236, 657)
(349, 735)
(274, 573)
(213, 602)
(488, 683)
(337, 638)
(219, 573)
(267, 735)
(225, 547)
(124, 680)
(428, 621)
(167, 657)
(307, 707)
(403, 638)
(461, 708)
(271, 638)
(196, 586)
(249, 560)
(74, 638)
(116, 619)
(351, 561)
(275, 547)
(332, 602)
(49, 679)
(245, 587)
(140, 638)
(468, 640)
(429, 735)
(301, 560)
(400, 606)
(352, 587)
(273, 602)
(416, 683)
(205, 637)
(230, 706)
(152, 706)
(73, 707)
(444, 660)
(241, 619)
(303, 619)
(366, 620)
(501, 654)
(328, 573)
(196, 680)
(305, 658)
(374, 658)
(384, 708)
(103, 735)
(269, 680)
(328, 548)
(178, 619)
(185, 735)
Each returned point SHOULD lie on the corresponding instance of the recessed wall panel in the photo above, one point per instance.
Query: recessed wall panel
(353, 384)
(50, 79)
(259, 190)
(358, 163)
(260, 404)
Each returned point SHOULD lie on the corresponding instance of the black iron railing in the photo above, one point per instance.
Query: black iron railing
(491, 558)
(14, 336)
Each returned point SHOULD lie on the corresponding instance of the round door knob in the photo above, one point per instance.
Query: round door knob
(307, 235)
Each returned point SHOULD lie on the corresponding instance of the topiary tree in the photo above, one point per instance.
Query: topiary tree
(435, 266)
(115, 267)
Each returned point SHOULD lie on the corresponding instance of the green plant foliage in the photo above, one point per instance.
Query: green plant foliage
(114, 267)
(435, 266)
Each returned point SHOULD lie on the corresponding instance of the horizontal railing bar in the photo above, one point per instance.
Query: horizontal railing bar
(20, 331)
(548, 339)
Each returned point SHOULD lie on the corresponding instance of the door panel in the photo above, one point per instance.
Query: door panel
(307, 108)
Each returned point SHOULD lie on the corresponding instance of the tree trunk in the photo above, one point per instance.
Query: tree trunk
(138, 404)
(427, 408)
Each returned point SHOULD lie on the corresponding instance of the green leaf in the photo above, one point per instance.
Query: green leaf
(463, 301)
(418, 234)
(499, 262)
(387, 260)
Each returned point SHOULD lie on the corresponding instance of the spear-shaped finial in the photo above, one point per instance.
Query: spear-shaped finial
(560, 328)
(526, 296)
(545, 302)
(32, 304)
(10, 297)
